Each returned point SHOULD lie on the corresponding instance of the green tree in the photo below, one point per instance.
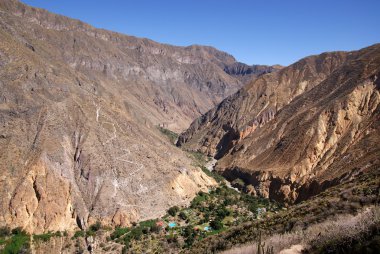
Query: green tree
(222, 212)
(173, 210)
(95, 227)
(188, 231)
(216, 224)
(155, 228)
(182, 215)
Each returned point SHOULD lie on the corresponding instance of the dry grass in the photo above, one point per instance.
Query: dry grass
(349, 197)
(343, 229)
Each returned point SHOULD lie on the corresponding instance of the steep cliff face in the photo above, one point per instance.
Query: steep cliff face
(246, 73)
(175, 84)
(257, 103)
(70, 156)
(78, 110)
(293, 133)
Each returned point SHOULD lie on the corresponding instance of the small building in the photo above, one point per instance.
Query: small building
(261, 211)
(160, 223)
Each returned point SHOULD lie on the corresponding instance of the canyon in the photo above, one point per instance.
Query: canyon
(79, 110)
(105, 137)
(293, 133)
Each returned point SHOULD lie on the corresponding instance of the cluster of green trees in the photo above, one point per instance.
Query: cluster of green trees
(189, 234)
(205, 208)
(46, 236)
(15, 240)
(126, 235)
(90, 232)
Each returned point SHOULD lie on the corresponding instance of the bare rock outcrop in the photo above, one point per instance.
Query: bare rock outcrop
(78, 113)
(293, 133)
(257, 103)
(175, 84)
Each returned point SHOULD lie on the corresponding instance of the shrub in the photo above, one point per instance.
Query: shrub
(5, 231)
(148, 223)
(78, 233)
(173, 210)
(197, 201)
(136, 233)
(216, 224)
(19, 243)
(118, 232)
(43, 237)
(95, 227)
(188, 231)
(90, 233)
(18, 231)
(183, 215)
(155, 228)
(228, 201)
(222, 212)
(58, 233)
(189, 241)
(145, 230)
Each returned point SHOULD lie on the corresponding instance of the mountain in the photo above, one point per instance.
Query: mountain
(256, 104)
(177, 84)
(246, 73)
(88, 119)
(79, 110)
(295, 132)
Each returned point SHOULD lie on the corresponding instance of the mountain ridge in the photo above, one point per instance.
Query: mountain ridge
(79, 111)
(200, 68)
(254, 114)
(262, 149)
(88, 120)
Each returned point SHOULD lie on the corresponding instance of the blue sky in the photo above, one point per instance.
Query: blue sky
(254, 32)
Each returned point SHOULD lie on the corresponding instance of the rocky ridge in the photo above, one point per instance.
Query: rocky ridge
(176, 84)
(79, 108)
(256, 104)
(293, 133)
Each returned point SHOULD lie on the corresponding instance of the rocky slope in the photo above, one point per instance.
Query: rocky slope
(256, 104)
(293, 133)
(321, 224)
(78, 113)
(246, 73)
(175, 84)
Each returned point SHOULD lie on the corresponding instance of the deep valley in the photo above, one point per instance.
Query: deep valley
(111, 143)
